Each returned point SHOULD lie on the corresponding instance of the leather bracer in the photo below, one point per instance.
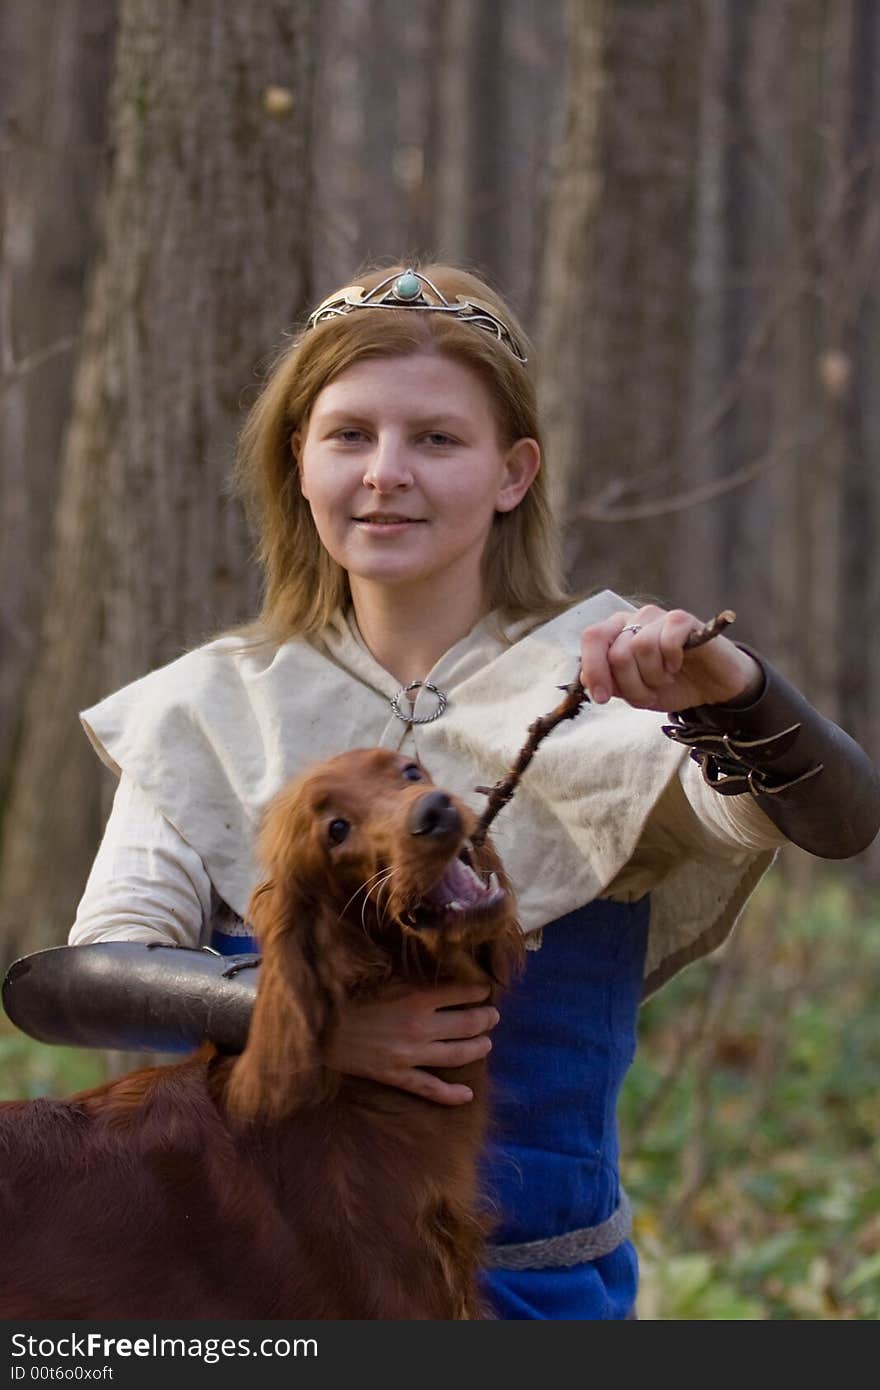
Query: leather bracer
(133, 996)
(810, 778)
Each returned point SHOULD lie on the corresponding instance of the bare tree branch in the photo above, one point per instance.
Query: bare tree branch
(593, 511)
(16, 370)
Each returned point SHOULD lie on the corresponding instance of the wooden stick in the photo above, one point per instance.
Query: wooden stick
(701, 635)
(575, 698)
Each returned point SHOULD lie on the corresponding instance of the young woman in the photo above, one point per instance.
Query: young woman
(413, 600)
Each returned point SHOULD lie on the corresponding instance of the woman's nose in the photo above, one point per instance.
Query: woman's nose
(387, 467)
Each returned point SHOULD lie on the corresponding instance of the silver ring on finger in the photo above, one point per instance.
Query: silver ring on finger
(632, 627)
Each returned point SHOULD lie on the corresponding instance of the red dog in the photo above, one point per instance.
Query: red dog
(266, 1186)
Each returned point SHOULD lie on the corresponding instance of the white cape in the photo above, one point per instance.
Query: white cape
(212, 736)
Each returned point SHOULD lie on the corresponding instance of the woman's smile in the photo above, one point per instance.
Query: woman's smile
(385, 523)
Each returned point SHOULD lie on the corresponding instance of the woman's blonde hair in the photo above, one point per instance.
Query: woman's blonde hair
(302, 585)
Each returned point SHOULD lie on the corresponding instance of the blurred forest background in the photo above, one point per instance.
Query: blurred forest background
(681, 199)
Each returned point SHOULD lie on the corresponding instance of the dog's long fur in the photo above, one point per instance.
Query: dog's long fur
(266, 1186)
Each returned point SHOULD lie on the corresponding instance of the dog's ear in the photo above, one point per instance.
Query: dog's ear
(302, 982)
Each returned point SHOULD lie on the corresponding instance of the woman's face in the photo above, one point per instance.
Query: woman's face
(403, 469)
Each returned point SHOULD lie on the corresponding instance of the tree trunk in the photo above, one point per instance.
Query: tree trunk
(857, 398)
(55, 63)
(748, 287)
(433, 124)
(620, 310)
(564, 278)
(203, 266)
(496, 76)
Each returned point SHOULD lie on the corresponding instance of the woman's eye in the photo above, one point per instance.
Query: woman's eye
(337, 831)
(413, 773)
(441, 440)
(352, 436)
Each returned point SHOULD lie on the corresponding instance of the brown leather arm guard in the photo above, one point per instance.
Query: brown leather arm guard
(133, 997)
(810, 778)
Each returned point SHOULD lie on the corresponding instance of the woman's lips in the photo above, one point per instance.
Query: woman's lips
(390, 526)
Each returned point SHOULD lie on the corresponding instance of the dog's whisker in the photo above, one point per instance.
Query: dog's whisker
(364, 914)
(386, 886)
(362, 888)
(384, 875)
(383, 886)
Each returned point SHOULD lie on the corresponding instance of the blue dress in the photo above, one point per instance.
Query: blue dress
(566, 1039)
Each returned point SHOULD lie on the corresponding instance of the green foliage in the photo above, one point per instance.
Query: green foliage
(29, 1069)
(750, 1122)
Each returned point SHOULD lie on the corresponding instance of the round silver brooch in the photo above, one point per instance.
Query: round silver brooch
(409, 717)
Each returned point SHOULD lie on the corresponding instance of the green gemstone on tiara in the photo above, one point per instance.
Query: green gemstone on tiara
(407, 286)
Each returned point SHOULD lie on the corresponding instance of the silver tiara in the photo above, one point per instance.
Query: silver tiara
(410, 291)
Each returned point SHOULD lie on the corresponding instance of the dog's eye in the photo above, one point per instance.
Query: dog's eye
(337, 831)
(413, 773)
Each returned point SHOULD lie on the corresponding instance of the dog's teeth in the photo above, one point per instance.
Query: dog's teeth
(454, 906)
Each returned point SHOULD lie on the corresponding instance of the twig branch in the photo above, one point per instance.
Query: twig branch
(575, 698)
(695, 496)
(14, 372)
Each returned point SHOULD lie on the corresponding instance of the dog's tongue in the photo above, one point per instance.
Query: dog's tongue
(459, 884)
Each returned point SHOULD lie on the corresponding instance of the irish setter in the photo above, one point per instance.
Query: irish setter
(265, 1185)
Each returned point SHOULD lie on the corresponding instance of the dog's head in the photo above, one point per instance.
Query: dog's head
(371, 877)
(367, 840)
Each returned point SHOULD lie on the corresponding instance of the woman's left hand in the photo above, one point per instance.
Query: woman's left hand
(640, 657)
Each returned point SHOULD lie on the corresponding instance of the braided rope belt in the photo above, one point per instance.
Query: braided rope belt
(573, 1248)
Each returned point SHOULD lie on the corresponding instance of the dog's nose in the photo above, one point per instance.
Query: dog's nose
(434, 814)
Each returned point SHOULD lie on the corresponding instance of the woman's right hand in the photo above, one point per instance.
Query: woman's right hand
(392, 1038)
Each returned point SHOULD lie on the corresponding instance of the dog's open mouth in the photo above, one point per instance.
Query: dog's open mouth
(460, 890)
